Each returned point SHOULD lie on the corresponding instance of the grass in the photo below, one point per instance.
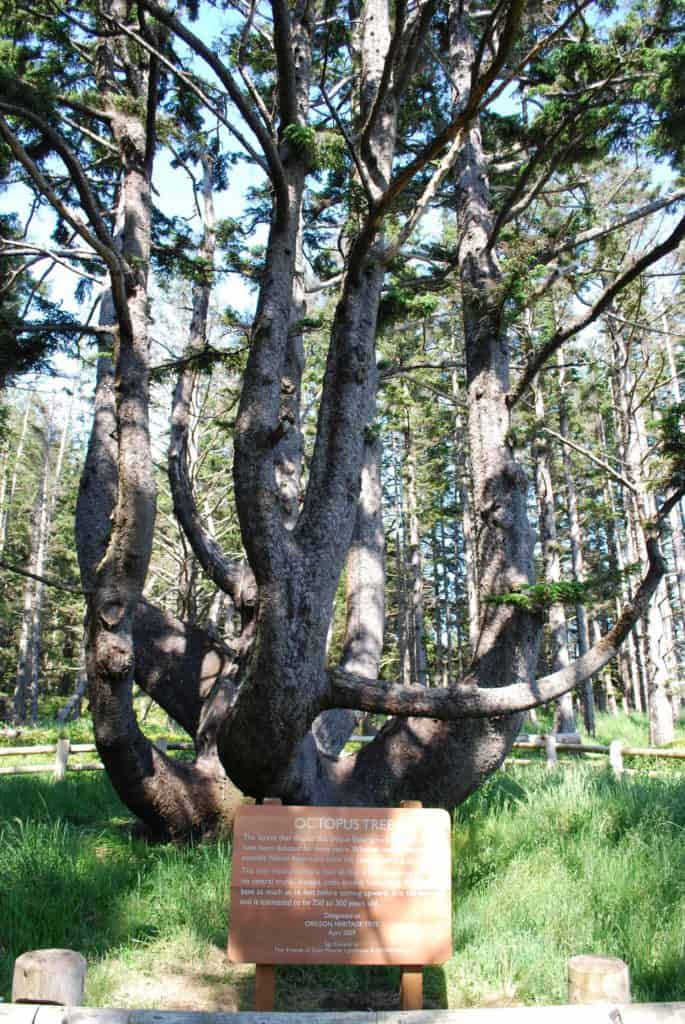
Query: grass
(546, 865)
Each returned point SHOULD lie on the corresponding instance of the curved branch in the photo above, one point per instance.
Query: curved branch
(88, 200)
(179, 665)
(105, 247)
(468, 700)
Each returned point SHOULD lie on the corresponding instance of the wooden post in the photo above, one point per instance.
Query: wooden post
(616, 757)
(265, 974)
(598, 979)
(551, 749)
(49, 976)
(265, 987)
(61, 758)
(411, 988)
(411, 978)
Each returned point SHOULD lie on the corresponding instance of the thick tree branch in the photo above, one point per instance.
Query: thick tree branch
(287, 86)
(76, 171)
(468, 700)
(105, 249)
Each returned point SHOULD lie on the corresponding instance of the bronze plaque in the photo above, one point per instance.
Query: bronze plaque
(341, 885)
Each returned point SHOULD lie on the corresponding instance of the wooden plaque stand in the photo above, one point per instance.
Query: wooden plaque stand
(411, 977)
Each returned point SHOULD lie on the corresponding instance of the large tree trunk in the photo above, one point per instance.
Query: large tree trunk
(365, 600)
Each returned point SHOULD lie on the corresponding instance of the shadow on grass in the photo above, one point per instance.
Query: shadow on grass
(312, 988)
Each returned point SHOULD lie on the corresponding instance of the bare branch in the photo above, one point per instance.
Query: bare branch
(593, 458)
(49, 581)
(633, 270)
(606, 229)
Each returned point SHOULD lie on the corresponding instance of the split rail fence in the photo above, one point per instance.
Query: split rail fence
(552, 744)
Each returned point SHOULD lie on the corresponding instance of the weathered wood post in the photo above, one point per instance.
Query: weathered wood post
(54, 976)
(598, 979)
(551, 750)
(616, 757)
(61, 758)
(411, 978)
(265, 974)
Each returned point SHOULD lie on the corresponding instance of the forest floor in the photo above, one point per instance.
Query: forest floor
(545, 865)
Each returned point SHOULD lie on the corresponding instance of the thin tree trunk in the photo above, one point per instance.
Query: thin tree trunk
(28, 646)
(576, 549)
(441, 671)
(630, 657)
(447, 609)
(47, 518)
(641, 504)
(415, 562)
(8, 497)
(404, 638)
(564, 718)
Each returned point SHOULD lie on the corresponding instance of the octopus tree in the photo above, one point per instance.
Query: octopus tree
(406, 93)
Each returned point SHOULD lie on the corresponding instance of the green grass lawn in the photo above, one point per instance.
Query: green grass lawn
(546, 865)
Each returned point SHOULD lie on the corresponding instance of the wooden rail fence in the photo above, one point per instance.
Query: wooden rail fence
(63, 750)
(551, 743)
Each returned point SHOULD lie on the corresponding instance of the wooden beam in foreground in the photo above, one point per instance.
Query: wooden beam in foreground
(600, 1013)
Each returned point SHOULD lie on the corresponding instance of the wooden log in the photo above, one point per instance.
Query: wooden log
(28, 769)
(678, 755)
(49, 976)
(598, 979)
(61, 758)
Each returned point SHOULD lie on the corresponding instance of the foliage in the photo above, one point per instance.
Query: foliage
(538, 596)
